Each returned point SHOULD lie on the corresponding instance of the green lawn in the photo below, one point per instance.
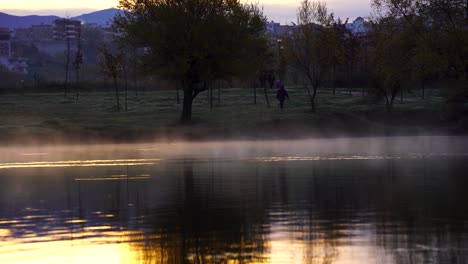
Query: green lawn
(153, 115)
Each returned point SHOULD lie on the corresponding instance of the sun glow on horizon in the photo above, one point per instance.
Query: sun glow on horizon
(58, 4)
(283, 11)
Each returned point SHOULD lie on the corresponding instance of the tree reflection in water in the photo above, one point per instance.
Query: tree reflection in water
(341, 211)
(403, 211)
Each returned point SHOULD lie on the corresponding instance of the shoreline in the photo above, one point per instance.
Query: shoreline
(184, 134)
(48, 118)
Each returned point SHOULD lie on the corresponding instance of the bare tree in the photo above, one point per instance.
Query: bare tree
(77, 63)
(67, 61)
(307, 48)
(111, 65)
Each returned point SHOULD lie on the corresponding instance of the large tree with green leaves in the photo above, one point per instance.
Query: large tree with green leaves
(194, 41)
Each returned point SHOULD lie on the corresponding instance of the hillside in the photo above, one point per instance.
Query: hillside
(15, 22)
(102, 18)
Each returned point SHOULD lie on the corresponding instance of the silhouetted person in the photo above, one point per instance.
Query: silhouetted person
(278, 84)
(281, 95)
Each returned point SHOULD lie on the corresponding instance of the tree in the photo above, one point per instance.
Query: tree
(335, 38)
(353, 54)
(390, 58)
(78, 62)
(307, 47)
(67, 62)
(439, 29)
(425, 65)
(194, 42)
(110, 64)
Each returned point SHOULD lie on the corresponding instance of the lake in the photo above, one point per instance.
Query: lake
(364, 200)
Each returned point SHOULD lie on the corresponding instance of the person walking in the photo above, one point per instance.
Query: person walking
(281, 95)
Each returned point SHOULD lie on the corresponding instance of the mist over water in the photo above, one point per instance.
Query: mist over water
(379, 147)
(363, 200)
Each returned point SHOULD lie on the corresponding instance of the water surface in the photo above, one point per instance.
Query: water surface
(369, 200)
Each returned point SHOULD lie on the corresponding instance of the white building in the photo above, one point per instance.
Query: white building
(8, 59)
(358, 27)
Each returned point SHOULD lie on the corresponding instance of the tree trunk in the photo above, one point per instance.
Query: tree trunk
(255, 94)
(187, 105)
(423, 89)
(135, 77)
(117, 93)
(211, 97)
(266, 97)
(78, 61)
(402, 95)
(389, 107)
(334, 79)
(311, 97)
(349, 80)
(126, 89)
(390, 101)
(77, 84)
(177, 94)
(66, 66)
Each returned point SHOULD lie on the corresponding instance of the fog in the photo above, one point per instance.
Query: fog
(275, 150)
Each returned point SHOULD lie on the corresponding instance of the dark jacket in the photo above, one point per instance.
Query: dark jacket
(282, 94)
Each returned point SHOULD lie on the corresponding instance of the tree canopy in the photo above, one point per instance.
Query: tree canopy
(194, 41)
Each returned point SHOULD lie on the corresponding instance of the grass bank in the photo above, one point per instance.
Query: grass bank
(51, 118)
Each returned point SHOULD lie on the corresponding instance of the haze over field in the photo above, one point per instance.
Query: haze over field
(277, 10)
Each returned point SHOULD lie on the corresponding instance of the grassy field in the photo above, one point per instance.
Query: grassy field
(49, 117)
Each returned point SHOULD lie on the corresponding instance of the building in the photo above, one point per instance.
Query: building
(276, 30)
(358, 27)
(35, 33)
(66, 29)
(8, 59)
(15, 64)
(5, 43)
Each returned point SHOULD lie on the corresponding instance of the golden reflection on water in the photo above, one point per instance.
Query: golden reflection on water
(79, 163)
(101, 244)
(106, 249)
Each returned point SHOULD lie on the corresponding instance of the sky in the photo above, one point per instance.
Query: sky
(283, 11)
